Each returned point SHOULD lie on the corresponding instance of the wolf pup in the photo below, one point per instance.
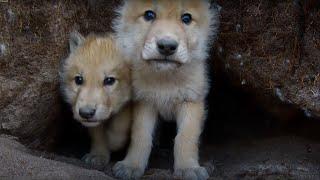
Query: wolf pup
(95, 81)
(168, 43)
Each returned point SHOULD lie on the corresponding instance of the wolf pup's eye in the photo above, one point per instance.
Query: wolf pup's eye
(78, 80)
(150, 15)
(109, 81)
(186, 18)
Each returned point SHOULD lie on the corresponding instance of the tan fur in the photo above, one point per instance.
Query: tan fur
(173, 90)
(96, 58)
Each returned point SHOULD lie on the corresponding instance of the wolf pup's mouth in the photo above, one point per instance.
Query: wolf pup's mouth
(90, 123)
(165, 61)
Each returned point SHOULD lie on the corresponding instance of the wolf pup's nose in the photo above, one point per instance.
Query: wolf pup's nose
(87, 113)
(167, 47)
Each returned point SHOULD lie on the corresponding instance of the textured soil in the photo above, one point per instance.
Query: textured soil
(272, 48)
(286, 157)
(34, 40)
(19, 162)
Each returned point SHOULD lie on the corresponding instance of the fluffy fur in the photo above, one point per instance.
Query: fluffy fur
(174, 86)
(95, 59)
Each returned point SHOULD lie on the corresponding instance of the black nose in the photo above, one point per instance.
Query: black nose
(87, 113)
(167, 47)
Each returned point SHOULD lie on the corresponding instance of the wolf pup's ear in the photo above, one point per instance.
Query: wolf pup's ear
(75, 40)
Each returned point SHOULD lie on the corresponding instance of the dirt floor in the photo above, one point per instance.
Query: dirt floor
(283, 157)
(18, 162)
(242, 140)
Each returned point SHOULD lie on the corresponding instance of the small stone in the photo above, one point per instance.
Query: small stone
(279, 94)
(243, 82)
(216, 6)
(303, 169)
(4, 126)
(316, 93)
(11, 17)
(287, 61)
(3, 49)
(307, 113)
(309, 148)
(238, 27)
(238, 56)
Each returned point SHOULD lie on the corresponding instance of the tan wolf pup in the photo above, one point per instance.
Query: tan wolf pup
(167, 43)
(95, 81)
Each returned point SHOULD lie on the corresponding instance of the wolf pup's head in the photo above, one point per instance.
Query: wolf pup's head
(95, 80)
(166, 34)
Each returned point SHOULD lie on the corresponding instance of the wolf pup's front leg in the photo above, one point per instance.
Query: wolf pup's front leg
(135, 163)
(190, 117)
(99, 154)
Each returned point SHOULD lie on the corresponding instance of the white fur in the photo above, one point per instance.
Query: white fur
(174, 90)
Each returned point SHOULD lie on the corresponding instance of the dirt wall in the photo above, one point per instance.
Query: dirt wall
(268, 48)
(33, 41)
(271, 48)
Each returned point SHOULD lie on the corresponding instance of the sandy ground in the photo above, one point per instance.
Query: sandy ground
(283, 157)
(19, 162)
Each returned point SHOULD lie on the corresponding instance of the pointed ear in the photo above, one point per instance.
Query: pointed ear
(76, 39)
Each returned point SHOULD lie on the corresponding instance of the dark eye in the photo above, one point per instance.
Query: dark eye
(78, 80)
(186, 18)
(150, 15)
(109, 81)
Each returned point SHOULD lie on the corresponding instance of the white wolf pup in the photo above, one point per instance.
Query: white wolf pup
(95, 81)
(168, 43)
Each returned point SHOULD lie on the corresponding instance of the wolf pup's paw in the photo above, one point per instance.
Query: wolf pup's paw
(123, 170)
(96, 160)
(197, 173)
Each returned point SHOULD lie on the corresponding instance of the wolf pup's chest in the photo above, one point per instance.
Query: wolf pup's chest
(168, 93)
